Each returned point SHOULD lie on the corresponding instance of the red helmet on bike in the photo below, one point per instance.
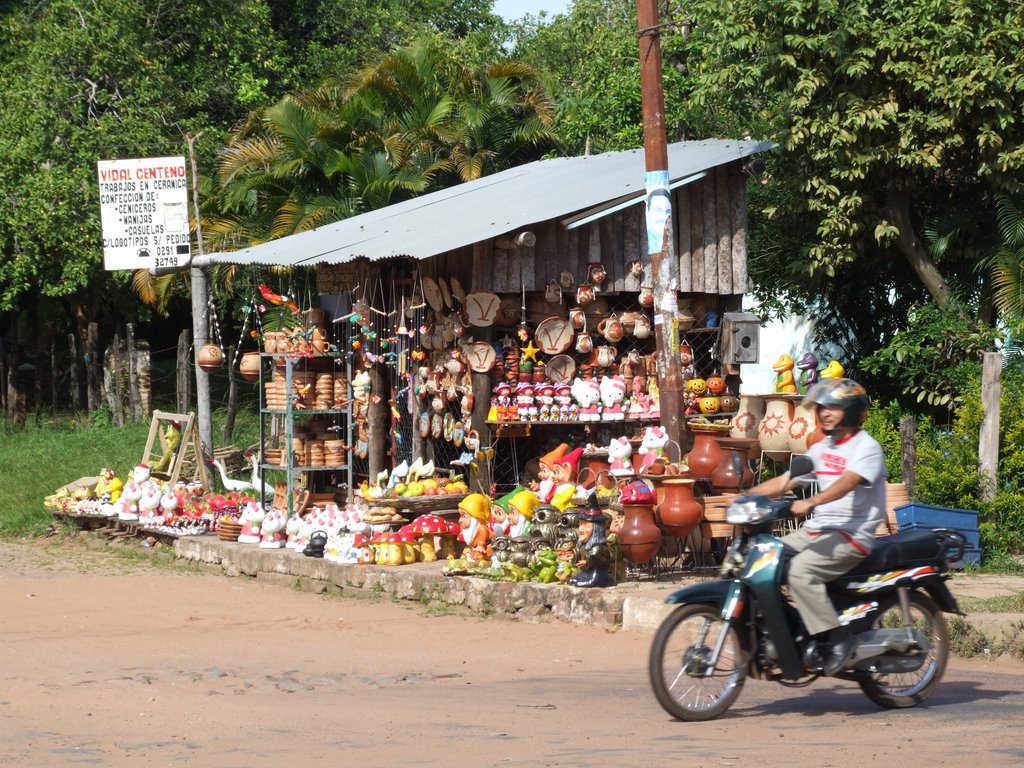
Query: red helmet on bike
(844, 393)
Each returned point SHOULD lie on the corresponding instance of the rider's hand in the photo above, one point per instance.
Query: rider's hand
(801, 507)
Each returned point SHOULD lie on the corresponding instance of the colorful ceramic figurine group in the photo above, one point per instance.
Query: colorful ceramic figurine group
(786, 383)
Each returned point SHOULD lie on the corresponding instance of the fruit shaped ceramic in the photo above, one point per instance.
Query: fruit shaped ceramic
(715, 385)
(696, 386)
(728, 403)
(710, 405)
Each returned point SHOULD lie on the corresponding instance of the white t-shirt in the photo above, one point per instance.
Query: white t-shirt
(859, 512)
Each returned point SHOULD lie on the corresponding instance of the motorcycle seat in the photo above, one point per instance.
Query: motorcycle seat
(903, 550)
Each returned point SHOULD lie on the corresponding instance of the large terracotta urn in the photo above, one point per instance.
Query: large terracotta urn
(249, 366)
(773, 430)
(706, 453)
(746, 420)
(801, 428)
(733, 473)
(678, 512)
(640, 537)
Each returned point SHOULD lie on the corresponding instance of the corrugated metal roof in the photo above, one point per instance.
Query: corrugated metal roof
(478, 210)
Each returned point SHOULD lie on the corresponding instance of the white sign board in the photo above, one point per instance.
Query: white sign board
(144, 208)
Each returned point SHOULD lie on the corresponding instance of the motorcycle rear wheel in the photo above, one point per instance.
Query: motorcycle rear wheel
(898, 690)
(684, 685)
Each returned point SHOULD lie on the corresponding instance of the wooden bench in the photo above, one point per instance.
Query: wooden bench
(896, 495)
(713, 525)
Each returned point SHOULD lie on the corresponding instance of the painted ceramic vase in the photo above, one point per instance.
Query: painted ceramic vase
(773, 430)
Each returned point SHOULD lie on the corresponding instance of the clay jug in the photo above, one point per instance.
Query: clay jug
(249, 366)
(706, 454)
(773, 431)
(642, 327)
(733, 472)
(679, 513)
(611, 328)
(646, 296)
(801, 428)
(578, 318)
(748, 417)
(640, 537)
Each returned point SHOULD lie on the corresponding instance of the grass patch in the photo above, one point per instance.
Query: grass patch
(964, 640)
(1001, 604)
(37, 459)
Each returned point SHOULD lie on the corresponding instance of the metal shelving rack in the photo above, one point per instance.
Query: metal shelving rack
(288, 430)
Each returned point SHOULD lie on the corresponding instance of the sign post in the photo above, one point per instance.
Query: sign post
(144, 210)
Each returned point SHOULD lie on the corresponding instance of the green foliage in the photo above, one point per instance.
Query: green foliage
(883, 424)
(927, 352)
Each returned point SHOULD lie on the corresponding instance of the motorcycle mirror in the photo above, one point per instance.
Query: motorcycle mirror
(800, 465)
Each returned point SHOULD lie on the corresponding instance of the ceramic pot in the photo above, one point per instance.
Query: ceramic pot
(612, 330)
(640, 537)
(210, 357)
(578, 318)
(733, 472)
(679, 513)
(706, 454)
(773, 430)
(249, 366)
(642, 327)
(748, 417)
(646, 296)
(801, 428)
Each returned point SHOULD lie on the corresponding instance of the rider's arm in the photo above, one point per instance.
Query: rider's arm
(844, 485)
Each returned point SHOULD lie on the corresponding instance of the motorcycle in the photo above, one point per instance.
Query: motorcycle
(741, 624)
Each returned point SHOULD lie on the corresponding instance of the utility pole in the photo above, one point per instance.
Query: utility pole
(660, 245)
(200, 321)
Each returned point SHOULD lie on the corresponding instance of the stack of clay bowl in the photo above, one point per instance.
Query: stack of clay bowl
(315, 453)
(340, 390)
(324, 389)
(334, 452)
(275, 395)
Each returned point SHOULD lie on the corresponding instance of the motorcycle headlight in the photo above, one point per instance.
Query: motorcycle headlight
(748, 509)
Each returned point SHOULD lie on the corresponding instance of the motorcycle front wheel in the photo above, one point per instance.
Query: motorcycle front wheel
(897, 690)
(685, 683)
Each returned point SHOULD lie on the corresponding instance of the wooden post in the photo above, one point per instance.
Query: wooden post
(908, 452)
(76, 390)
(664, 264)
(229, 420)
(54, 381)
(93, 368)
(117, 391)
(379, 419)
(184, 372)
(133, 375)
(988, 442)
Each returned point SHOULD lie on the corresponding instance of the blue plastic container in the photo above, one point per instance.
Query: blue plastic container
(973, 537)
(927, 516)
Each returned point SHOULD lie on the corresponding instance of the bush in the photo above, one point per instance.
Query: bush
(883, 424)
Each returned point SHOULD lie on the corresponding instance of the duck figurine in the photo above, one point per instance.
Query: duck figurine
(834, 370)
(784, 382)
(808, 367)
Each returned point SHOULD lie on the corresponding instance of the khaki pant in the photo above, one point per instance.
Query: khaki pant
(821, 559)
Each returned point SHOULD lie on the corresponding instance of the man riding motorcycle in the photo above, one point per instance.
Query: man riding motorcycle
(848, 507)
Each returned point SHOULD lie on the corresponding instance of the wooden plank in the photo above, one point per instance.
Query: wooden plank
(631, 243)
(738, 187)
(710, 235)
(498, 273)
(697, 235)
(723, 222)
(609, 259)
(546, 252)
(684, 226)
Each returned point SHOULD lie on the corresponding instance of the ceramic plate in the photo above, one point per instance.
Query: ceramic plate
(449, 427)
(554, 335)
(432, 293)
(457, 291)
(561, 368)
(482, 308)
(446, 294)
(480, 356)
(436, 426)
(424, 423)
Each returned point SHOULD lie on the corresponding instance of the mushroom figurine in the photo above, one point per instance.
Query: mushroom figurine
(449, 539)
(428, 528)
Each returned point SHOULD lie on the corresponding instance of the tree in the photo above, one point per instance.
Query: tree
(891, 115)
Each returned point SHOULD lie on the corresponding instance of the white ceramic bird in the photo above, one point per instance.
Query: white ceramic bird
(238, 486)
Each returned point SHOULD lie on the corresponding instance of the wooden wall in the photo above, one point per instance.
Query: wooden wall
(710, 217)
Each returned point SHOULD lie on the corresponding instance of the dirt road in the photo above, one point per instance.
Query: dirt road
(109, 662)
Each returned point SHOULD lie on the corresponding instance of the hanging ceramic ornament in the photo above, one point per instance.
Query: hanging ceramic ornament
(424, 423)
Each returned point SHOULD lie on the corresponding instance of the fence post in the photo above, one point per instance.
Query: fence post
(76, 391)
(988, 439)
(184, 372)
(908, 452)
(93, 368)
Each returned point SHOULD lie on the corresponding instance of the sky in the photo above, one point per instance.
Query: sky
(510, 10)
